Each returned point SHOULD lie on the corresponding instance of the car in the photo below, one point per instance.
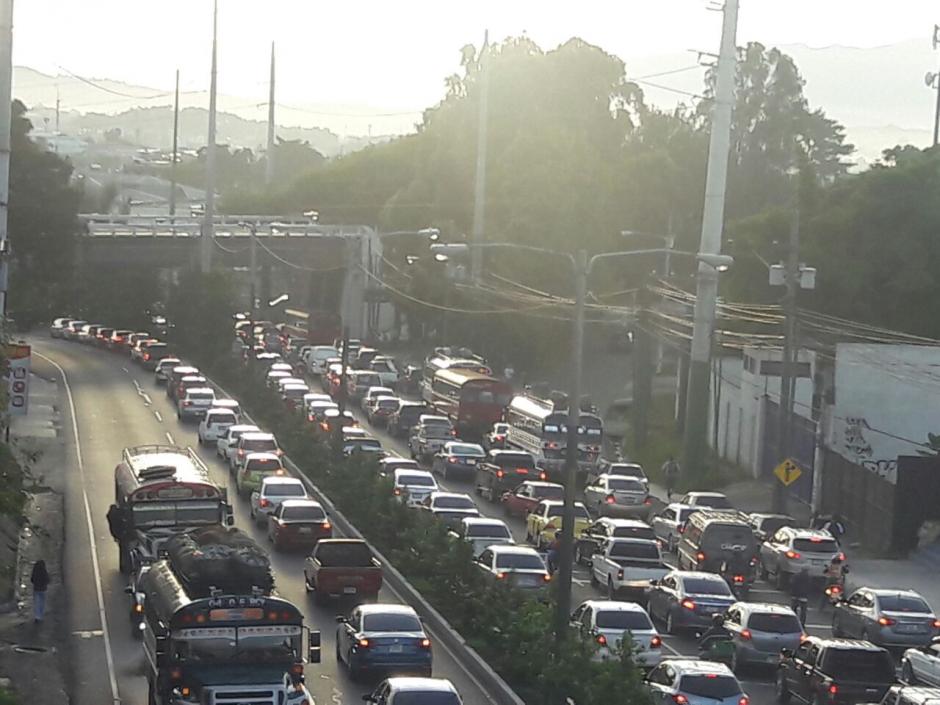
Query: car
(372, 393)
(137, 348)
(87, 333)
(712, 538)
(103, 337)
(380, 409)
(386, 637)
(542, 523)
(58, 327)
(342, 568)
(911, 695)
(363, 446)
(496, 436)
(706, 500)
(386, 369)
(527, 495)
(313, 398)
(449, 507)
(886, 617)
(759, 631)
(362, 359)
(162, 369)
(151, 353)
(693, 682)
(316, 358)
(408, 691)
(406, 417)
(429, 436)
(358, 383)
(412, 486)
(175, 376)
(669, 524)
(285, 382)
(837, 671)
(502, 470)
(272, 492)
(457, 459)
(316, 410)
(225, 445)
(293, 395)
(71, 330)
(231, 405)
(625, 469)
(627, 568)
(618, 495)
(482, 532)
(605, 622)
(607, 528)
(520, 566)
(921, 665)
(254, 468)
(388, 465)
(195, 402)
(298, 523)
(214, 423)
(272, 377)
(118, 340)
(134, 338)
(766, 525)
(334, 418)
(188, 382)
(790, 550)
(685, 600)
(252, 442)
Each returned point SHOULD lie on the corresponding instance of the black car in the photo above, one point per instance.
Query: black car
(457, 459)
(400, 422)
(835, 671)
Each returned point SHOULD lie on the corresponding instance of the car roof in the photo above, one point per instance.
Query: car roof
(632, 539)
(614, 606)
(697, 666)
(757, 516)
(387, 608)
(706, 494)
(556, 502)
(398, 459)
(199, 390)
(220, 410)
(386, 397)
(635, 523)
(541, 483)
(833, 643)
(885, 592)
(379, 388)
(281, 480)
(451, 444)
(679, 506)
(483, 521)
(762, 607)
(262, 456)
(414, 683)
(413, 472)
(192, 378)
(800, 533)
(257, 436)
(301, 503)
(244, 428)
(688, 574)
(426, 418)
(517, 550)
(443, 493)
(613, 475)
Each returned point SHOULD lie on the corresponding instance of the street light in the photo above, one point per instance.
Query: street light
(581, 268)
(279, 300)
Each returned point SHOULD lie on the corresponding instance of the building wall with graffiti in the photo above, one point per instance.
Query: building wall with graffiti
(887, 401)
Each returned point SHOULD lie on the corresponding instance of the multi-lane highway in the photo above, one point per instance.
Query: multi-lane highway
(107, 403)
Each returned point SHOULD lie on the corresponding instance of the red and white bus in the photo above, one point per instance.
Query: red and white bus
(473, 401)
(316, 327)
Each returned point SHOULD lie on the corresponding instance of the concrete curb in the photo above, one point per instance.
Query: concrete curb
(490, 683)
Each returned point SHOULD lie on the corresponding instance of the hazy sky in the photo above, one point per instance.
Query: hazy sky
(395, 54)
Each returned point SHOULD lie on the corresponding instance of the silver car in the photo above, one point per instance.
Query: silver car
(886, 618)
(758, 632)
(669, 524)
(694, 682)
(481, 533)
(618, 495)
(790, 550)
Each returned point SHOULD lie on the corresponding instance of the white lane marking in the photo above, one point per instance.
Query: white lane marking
(157, 414)
(670, 649)
(170, 439)
(818, 626)
(99, 593)
(147, 399)
(123, 368)
(764, 591)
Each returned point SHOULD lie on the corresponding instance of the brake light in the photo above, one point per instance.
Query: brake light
(453, 432)
(655, 642)
(681, 529)
(264, 502)
(424, 643)
(324, 425)
(738, 579)
(792, 554)
(309, 417)
(522, 471)
(186, 402)
(746, 634)
(841, 556)
(815, 539)
(886, 621)
(543, 475)
(551, 444)
(500, 438)
(833, 689)
(743, 700)
(602, 640)
(184, 691)
(146, 357)
(546, 577)
(363, 644)
(936, 624)
(700, 556)
(452, 459)
(610, 499)
(647, 501)
(280, 472)
(688, 604)
(138, 608)
(397, 491)
(499, 473)
(241, 452)
(326, 526)
(500, 576)
(680, 699)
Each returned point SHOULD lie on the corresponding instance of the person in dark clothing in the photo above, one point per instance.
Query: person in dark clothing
(671, 472)
(554, 549)
(40, 581)
(800, 586)
(715, 634)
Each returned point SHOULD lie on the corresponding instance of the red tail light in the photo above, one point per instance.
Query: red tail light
(655, 642)
(680, 699)
(936, 624)
(501, 576)
(543, 475)
(743, 700)
(363, 644)
(700, 556)
(241, 453)
(886, 621)
(326, 526)
(146, 357)
(602, 640)
(688, 604)
(424, 643)
(746, 634)
(610, 499)
(500, 438)
(264, 503)
(452, 459)
(647, 501)
(499, 473)
(841, 556)
(681, 529)
(397, 491)
(792, 554)
(833, 689)
(547, 578)
(522, 471)
(738, 579)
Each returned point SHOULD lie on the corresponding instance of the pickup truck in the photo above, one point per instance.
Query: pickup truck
(342, 568)
(627, 566)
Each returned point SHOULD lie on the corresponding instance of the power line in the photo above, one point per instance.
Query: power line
(109, 90)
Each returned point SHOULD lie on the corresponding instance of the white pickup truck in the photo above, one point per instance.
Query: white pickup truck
(626, 566)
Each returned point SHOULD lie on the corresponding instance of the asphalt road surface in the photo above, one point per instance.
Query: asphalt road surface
(117, 404)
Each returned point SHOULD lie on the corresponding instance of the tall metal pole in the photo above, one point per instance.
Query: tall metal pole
(176, 132)
(253, 255)
(936, 114)
(6, 119)
(208, 227)
(789, 348)
(269, 160)
(479, 196)
(566, 554)
(712, 222)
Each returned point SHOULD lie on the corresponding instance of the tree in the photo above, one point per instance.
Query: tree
(201, 308)
(43, 227)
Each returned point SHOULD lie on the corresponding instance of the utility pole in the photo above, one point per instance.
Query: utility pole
(208, 227)
(6, 80)
(269, 161)
(58, 126)
(566, 554)
(337, 438)
(253, 273)
(936, 78)
(176, 133)
(696, 423)
(479, 196)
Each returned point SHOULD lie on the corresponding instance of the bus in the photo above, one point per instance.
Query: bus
(449, 359)
(473, 401)
(540, 426)
(159, 491)
(316, 327)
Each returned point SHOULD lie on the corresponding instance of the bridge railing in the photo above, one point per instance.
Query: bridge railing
(228, 226)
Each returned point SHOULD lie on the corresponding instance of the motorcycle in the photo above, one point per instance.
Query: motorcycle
(739, 578)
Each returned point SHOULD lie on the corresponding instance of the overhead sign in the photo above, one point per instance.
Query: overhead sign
(18, 365)
(788, 472)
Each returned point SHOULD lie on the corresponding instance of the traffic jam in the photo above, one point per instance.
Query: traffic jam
(714, 603)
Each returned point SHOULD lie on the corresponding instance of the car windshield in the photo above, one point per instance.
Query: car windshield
(698, 586)
(634, 532)
(555, 512)
(860, 665)
(815, 545)
(454, 503)
(391, 623)
(630, 549)
(259, 444)
(729, 537)
(488, 531)
(519, 561)
(903, 603)
(304, 512)
(624, 485)
(774, 623)
(466, 449)
(265, 465)
(715, 502)
(621, 619)
(285, 490)
(515, 460)
(710, 686)
(416, 481)
(549, 492)
(429, 697)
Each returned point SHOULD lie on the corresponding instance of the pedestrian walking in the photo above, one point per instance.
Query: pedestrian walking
(40, 581)
(671, 473)
(800, 586)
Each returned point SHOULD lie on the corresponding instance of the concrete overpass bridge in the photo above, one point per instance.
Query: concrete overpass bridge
(320, 266)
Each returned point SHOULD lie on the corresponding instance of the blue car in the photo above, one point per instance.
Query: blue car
(388, 638)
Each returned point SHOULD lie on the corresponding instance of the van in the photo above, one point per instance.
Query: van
(711, 538)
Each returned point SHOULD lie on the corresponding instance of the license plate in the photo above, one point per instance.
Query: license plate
(305, 530)
(709, 610)
(395, 649)
(911, 629)
(471, 461)
(350, 590)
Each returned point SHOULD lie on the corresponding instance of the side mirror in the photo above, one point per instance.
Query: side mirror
(786, 653)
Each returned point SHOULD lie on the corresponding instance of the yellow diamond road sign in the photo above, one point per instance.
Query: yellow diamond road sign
(788, 472)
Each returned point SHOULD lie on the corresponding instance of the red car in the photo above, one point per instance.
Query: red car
(298, 522)
(522, 500)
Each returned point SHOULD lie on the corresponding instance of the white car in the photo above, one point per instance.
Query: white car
(373, 393)
(215, 423)
(482, 532)
(402, 689)
(413, 486)
(669, 524)
(162, 371)
(231, 405)
(252, 442)
(606, 621)
(311, 397)
(922, 665)
(225, 445)
(316, 358)
(195, 402)
(790, 550)
(274, 490)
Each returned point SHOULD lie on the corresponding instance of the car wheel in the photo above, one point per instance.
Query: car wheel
(837, 627)
(579, 555)
(735, 662)
(671, 627)
(611, 590)
(780, 688)
(907, 673)
(339, 658)
(594, 581)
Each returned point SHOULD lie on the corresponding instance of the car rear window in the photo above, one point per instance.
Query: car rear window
(466, 449)
(201, 396)
(903, 603)
(285, 490)
(815, 545)
(624, 485)
(634, 550)
(774, 623)
(634, 532)
(549, 492)
(366, 444)
(710, 686)
(714, 502)
(454, 503)
(307, 512)
(515, 460)
(428, 697)
(859, 665)
(387, 403)
(619, 619)
(267, 464)
(391, 623)
(259, 444)
(521, 561)
(729, 537)
(580, 512)
(344, 555)
(488, 531)
(416, 480)
(697, 586)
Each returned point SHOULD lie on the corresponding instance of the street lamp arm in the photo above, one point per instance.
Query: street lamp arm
(630, 253)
